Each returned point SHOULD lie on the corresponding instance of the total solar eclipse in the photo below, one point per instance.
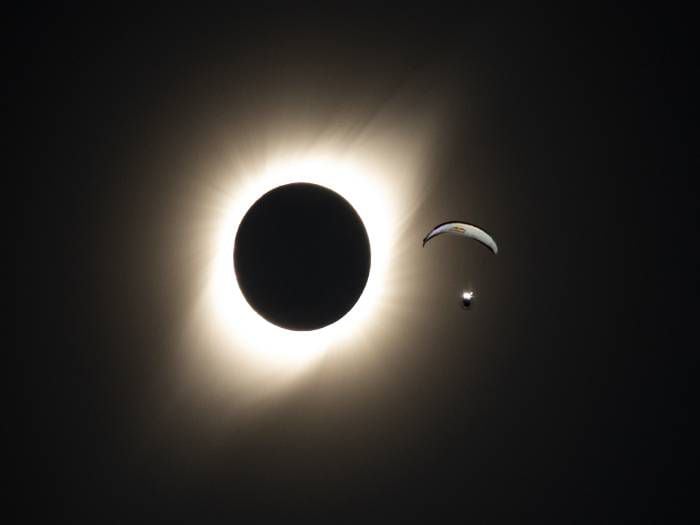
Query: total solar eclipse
(301, 256)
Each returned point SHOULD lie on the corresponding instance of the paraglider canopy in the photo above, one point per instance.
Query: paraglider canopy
(465, 230)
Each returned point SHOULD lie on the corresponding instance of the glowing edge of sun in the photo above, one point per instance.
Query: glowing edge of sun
(247, 330)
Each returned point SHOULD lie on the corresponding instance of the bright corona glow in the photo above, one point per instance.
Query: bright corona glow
(362, 188)
(228, 348)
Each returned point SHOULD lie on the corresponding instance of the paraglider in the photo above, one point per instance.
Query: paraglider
(468, 231)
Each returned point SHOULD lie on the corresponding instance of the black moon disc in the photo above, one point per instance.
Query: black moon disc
(301, 256)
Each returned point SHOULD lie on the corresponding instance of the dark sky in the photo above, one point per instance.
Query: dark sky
(565, 398)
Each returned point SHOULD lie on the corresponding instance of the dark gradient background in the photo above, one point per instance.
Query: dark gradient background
(563, 396)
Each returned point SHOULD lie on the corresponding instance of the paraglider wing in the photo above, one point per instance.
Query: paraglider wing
(465, 230)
